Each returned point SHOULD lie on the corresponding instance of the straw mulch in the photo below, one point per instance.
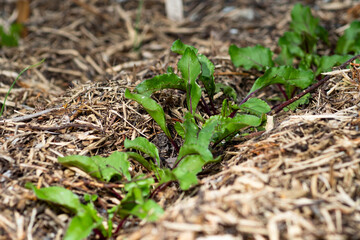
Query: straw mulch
(298, 180)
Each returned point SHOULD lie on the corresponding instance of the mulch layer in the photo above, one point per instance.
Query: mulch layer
(298, 180)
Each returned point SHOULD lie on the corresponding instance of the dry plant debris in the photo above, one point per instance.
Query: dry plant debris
(299, 180)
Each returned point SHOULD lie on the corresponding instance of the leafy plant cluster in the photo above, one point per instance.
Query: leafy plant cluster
(298, 61)
(203, 126)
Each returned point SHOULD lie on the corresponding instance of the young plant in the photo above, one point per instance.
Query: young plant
(13, 84)
(293, 69)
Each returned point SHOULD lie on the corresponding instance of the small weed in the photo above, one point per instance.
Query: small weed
(13, 84)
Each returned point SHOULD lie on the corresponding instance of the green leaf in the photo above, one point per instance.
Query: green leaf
(197, 141)
(117, 162)
(179, 47)
(303, 100)
(143, 145)
(227, 90)
(82, 225)
(228, 126)
(206, 133)
(191, 129)
(59, 196)
(303, 20)
(187, 170)
(180, 129)
(257, 57)
(307, 61)
(350, 41)
(191, 149)
(207, 74)
(164, 175)
(304, 37)
(226, 108)
(144, 184)
(286, 75)
(164, 81)
(327, 62)
(290, 47)
(149, 210)
(190, 69)
(140, 159)
(255, 106)
(101, 168)
(152, 107)
(135, 202)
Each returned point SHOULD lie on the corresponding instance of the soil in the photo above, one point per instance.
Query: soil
(298, 180)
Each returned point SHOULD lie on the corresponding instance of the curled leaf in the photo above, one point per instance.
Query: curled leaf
(143, 145)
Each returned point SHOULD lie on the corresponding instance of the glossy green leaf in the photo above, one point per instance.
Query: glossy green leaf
(180, 129)
(207, 74)
(191, 149)
(326, 63)
(82, 224)
(187, 170)
(104, 169)
(164, 81)
(190, 69)
(350, 41)
(143, 145)
(255, 106)
(179, 47)
(140, 159)
(206, 133)
(116, 163)
(152, 107)
(227, 90)
(286, 75)
(59, 196)
(191, 129)
(228, 126)
(257, 57)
